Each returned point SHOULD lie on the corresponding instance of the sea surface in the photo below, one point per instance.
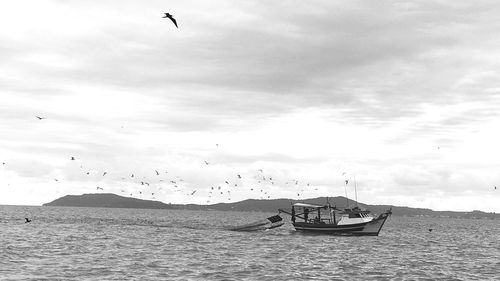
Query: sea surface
(65, 243)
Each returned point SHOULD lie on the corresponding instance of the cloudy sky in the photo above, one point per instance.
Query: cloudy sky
(401, 98)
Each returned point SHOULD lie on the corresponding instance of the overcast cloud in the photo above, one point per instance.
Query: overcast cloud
(404, 95)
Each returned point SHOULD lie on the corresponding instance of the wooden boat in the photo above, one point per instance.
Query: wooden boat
(269, 223)
(330, 220)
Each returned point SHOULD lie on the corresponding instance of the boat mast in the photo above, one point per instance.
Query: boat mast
(345, 189)
(355, 192)
(330, 210)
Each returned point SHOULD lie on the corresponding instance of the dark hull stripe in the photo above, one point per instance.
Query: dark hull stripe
(324, 229)
(329, 226)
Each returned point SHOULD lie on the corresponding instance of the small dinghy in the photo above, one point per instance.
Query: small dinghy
(270, 222)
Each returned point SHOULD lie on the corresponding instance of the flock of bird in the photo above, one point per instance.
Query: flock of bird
(160, 181)
(154, 183)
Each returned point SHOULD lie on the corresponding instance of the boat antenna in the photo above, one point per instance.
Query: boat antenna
(355, 192)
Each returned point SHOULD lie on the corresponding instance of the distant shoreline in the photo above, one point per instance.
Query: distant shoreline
(110, 200)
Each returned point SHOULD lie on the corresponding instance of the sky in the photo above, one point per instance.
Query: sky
(282, 99)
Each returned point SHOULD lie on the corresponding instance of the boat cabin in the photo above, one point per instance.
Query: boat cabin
(354, 215)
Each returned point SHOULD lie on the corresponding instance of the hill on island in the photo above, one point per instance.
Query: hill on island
(109, 200)
(106, 200)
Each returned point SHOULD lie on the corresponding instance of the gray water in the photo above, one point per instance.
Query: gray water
(63, 243)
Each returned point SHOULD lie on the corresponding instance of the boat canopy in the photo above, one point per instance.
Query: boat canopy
(304, 205)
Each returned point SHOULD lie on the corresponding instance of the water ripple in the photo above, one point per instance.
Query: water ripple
(118, 244)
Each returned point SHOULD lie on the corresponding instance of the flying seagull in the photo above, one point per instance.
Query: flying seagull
(40, 118)
(27, 220)
(167, 15)
(72, 158)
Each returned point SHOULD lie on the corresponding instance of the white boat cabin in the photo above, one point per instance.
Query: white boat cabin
(353, 216)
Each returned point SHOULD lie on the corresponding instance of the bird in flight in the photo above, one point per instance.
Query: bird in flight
(27, 220)
(72, 158)
(157, 173)
(169, 16)
(40, 118)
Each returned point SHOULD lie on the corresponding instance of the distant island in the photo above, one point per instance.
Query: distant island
(106, 200)
(109, 200)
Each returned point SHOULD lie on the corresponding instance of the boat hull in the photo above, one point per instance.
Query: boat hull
(257, 227)
(371, 228)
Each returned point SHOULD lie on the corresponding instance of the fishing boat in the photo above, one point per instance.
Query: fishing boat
(331, 220)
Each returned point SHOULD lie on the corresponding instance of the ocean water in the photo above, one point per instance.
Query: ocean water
(63, 243)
